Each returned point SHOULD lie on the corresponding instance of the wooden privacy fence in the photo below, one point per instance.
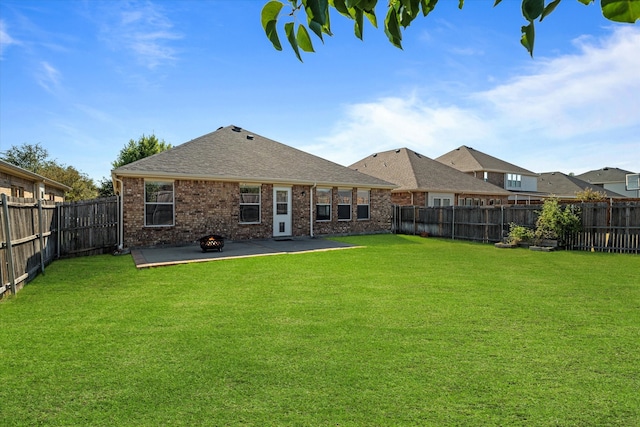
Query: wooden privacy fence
(34, 233)
(611, 227)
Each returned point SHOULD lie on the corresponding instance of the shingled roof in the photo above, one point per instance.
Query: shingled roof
(562, 185)
(466, 159)
(235, 154)
(412, 171)
(605, 175)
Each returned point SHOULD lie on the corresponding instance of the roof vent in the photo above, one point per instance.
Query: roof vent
(419, 156)
(375, 155)
(236, 128)
(250, 137)
(398, 150)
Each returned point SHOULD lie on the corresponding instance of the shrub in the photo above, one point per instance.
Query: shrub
(519, 233)
(554, 222)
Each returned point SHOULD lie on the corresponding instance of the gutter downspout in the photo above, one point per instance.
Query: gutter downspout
(311, 209)
(120, 214)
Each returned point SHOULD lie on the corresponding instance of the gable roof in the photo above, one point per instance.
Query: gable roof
(17, 171)
(604, 175)
(466, 159)
(235, 154)
(412, 171)
(563, 185)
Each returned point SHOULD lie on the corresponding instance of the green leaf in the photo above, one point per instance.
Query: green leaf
(358, 25)
(392, 29)
(528, 36)
(269, 19)
(428, 6)
(303, 39)
(532, 9)
(497, 2)
(549, 8)
(621, 10)
(289, 31)
(371, 16)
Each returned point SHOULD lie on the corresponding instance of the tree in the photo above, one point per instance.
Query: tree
(591, 195)
(82, 187)
(27, 156)
(145, 146)
(400, 14)
(35, 158)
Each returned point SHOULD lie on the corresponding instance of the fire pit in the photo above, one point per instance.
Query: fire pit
(211, 242)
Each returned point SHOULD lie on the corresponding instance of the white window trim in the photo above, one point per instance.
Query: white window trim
(350, 190)
(173, 203)
(368, 204)
(259, 204)
(330, 204)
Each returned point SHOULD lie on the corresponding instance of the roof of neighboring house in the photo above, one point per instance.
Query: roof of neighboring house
(17, 171)
(563, 185)
(466, 159)
(412, 171)
(604, 175)
(235, 154)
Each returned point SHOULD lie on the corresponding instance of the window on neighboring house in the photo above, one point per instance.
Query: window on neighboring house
(364, 202)
(250, 204)
(323, 204)
(158, 203)
(486, 176)
(17, 191)
(514, 180)
(441, 201)
(344, 204)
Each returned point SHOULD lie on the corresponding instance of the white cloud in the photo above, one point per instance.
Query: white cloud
(5, 39)
(48, 77)
(143, 30)
(571, 113)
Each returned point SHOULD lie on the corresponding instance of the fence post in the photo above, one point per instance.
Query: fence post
(453, 222)
(41, 235)
(7, 232)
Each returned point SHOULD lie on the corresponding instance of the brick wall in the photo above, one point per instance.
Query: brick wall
(207, 207)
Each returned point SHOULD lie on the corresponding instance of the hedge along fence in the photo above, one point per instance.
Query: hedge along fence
(34, 233)
(611, 227)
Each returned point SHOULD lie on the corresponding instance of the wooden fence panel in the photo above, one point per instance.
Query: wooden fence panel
(605, 227)
(34, 233)
(88, 227)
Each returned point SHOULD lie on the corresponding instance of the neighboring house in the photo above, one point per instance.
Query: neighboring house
(566, 186)
(422, 181)
(18, 182)
(613, 179)
(241, 185)
(522, 183)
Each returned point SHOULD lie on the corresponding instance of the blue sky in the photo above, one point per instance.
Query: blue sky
(82, 78)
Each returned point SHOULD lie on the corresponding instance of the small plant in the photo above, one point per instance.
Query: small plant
(519, 233)
(554, 223)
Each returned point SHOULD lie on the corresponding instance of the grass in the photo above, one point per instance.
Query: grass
(406, 331)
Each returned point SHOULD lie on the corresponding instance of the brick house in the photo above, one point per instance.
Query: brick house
(241, 185)
(18, 182)
(422, 181)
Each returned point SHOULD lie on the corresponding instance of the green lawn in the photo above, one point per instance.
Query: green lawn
(405, 331)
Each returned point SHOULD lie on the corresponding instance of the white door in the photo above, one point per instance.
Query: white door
(281, 211)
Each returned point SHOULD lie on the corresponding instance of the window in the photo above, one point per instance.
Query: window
(486, 176)
(249, 204)
(364, 200)
(323, 204)
(441, 201)
(158, 203)
(514, 180)
(344, 204)
(17, 191)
